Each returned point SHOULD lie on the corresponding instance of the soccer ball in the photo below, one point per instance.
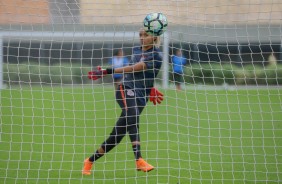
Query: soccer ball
(155, 24)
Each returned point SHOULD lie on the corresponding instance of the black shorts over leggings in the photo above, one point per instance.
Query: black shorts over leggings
(128, 121)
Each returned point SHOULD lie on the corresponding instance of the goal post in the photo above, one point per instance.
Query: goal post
(1, 63)
(165, 72)
(219, 122)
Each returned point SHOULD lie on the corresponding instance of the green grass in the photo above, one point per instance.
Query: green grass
(194, 136)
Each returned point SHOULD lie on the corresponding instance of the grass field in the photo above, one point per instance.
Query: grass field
(194, 136)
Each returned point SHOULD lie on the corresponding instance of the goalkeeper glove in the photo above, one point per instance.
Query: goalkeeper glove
(156, 96)
(99, 73)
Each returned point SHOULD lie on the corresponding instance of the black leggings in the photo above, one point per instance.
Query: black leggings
(128, 120)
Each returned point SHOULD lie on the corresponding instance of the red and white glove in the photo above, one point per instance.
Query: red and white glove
(156, 96)
(99, 73)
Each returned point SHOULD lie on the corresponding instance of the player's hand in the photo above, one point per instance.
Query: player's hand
(97, 74)
(156, 96)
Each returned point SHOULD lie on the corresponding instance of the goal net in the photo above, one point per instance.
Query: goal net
(219, 122)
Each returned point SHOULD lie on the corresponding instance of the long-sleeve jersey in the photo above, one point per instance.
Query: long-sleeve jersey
(143, 81)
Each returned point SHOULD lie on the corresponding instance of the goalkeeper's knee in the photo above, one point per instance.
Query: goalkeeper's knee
(133, 131)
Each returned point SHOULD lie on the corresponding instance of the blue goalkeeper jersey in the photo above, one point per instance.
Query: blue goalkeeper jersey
(143, 81)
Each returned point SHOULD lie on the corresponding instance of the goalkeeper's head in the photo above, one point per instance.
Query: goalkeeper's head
(147, 40)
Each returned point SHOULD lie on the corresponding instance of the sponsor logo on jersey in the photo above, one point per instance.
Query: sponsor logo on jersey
(130, 92)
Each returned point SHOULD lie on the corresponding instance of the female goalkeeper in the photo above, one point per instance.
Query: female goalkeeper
(132, 96)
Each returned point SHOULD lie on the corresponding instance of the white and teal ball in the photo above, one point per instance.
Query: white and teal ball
(155, 24)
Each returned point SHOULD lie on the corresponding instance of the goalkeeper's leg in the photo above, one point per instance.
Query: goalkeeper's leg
(141, 164)
(134, 109)
(128, 122)
(114, 139)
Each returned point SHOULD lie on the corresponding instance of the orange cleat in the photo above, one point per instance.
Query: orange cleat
(87, 167)
(142, 165)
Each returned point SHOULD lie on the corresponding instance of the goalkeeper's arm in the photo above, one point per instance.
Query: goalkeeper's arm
(99, 72)
(140, 66)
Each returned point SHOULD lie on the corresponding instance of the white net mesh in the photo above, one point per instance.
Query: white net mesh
(220, 121)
